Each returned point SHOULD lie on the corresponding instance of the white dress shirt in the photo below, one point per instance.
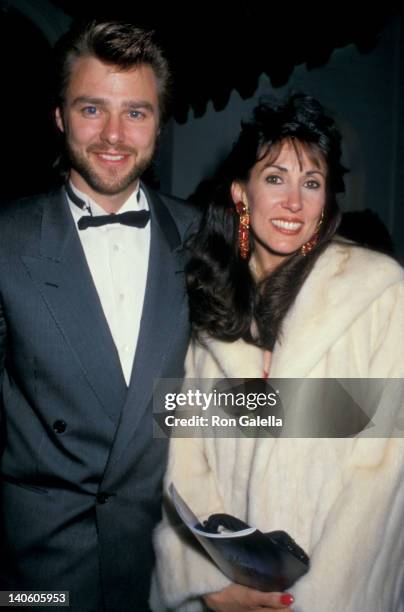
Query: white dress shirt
(118, 257)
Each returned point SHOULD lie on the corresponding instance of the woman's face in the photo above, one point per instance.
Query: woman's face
(285, 197)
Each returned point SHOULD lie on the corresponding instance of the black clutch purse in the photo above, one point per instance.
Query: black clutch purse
(265, 561)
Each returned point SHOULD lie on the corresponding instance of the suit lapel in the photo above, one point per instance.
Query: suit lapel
(63, 278)
(165, 293)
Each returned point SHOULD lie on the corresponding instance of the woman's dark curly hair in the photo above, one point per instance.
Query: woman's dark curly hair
(225, 300)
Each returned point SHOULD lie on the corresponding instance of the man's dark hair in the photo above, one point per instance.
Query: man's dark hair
(114, 42)
(225, 300)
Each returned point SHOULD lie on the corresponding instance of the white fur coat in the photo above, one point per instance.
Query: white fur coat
(342, 500)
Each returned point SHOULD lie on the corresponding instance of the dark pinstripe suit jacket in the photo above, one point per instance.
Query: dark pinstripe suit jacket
(81, 473)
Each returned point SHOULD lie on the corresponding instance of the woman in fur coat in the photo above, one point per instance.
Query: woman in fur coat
(274, 292)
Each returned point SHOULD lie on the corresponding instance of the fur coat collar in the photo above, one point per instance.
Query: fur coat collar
(344, 282)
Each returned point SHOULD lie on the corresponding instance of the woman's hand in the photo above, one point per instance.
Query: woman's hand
(238, 598)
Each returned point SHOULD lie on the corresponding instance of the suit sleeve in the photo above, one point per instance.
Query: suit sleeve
(183, 570)
(356, 565)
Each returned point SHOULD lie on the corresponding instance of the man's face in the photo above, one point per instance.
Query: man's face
(110, 119)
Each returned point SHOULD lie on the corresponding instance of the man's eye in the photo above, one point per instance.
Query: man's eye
(89, 110)
(136, 114)
(273, 179)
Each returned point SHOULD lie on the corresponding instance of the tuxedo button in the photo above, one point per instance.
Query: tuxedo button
(59, 426)
(102, 497)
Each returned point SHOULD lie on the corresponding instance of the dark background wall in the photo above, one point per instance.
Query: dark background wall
(362, 85)
(364, 92)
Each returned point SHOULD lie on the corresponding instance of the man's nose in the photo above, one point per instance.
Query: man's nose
(112, 131)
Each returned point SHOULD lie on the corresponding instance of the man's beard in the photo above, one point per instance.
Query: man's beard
(117, 184)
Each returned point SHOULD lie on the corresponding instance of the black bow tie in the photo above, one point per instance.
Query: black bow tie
(133, 218)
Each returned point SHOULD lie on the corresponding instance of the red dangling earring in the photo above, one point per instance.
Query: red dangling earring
(309, 245)
(243, 230)
(312, 243)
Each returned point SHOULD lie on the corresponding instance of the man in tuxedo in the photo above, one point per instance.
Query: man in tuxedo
(92, 310)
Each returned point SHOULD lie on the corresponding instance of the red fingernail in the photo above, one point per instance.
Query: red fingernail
(287, 599)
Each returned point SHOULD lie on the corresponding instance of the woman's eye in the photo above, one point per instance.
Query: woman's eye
(273, 179)
(313, 184)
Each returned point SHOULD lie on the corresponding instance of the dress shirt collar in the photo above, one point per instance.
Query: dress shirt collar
(136, 201)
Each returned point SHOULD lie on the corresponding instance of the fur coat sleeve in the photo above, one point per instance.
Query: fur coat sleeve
(342, 500)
